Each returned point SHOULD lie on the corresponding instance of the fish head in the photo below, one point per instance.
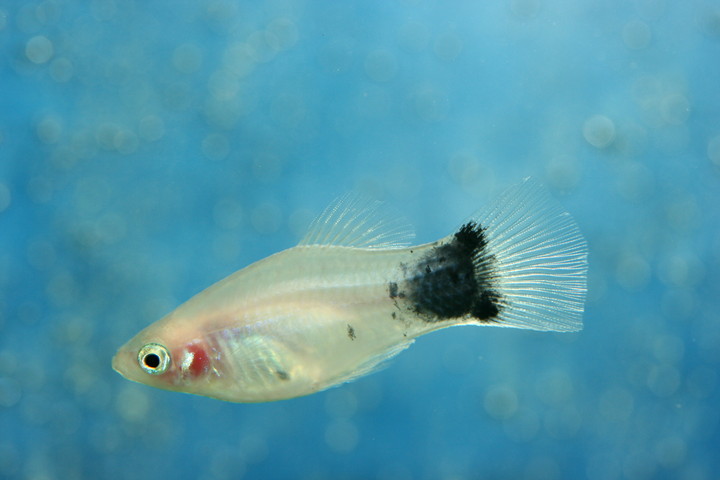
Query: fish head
(166, 357)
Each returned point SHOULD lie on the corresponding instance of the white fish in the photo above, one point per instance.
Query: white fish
(351, 295)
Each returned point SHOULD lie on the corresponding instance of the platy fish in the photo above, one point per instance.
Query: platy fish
(353, 294)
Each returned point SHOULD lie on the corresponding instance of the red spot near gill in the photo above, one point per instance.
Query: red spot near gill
(200, 360)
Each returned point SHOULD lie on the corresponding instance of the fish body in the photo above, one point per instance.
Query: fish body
(351, 296)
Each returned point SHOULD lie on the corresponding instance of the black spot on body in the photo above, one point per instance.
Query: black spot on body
(394, 291)
(350, 332)
(446, 282)
(282, 375)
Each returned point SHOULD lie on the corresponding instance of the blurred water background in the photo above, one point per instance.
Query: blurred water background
(149, 148)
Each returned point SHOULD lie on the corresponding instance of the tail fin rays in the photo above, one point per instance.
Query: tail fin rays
(537, 259)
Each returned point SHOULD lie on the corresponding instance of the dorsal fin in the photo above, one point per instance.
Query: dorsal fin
(354, 220)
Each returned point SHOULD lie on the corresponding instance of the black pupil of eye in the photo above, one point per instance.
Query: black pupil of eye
(152, 360)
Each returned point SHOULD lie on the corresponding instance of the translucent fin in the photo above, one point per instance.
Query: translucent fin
(355, 221)
(538, 260)
(372, 364)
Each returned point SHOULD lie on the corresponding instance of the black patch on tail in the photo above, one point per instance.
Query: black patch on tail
(446, 284)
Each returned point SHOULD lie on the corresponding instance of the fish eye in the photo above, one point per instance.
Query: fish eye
(154, 358)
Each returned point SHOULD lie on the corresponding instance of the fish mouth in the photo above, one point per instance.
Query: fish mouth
(116, 364)
(120, 362)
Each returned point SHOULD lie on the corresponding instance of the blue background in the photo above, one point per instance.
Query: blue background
(149, 148)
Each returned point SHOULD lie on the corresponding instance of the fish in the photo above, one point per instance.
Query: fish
(355, 292)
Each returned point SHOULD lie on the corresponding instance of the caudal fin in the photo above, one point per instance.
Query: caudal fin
(534, 262)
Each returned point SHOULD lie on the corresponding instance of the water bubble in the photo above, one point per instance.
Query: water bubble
(125, 141)
(262, 50)
(225, 114)
(337, 56)
(599, 131)
(632, 272)
(652, 9)
(267, 167)
(66, 418)
(702, 382)
(254, 448)
(414, 36)
(9, 459)
(105, 136)
(10, 392)
(635, 182)
(187, 58)
(341, 404)
(151, 128)
(563, 423)
(226, 247)
(91, 193)
(681, 270)
(468, 171)
(224, 84)
(75, 331)
(675, 109)
(501, 402)
(563, 172)
(636, 35)
(34, 409)
(62, 289)
(381, 66)
(216, 146)
(525, 9)
(543, 467)
(39, 49)
(299, 221)
(713, 150)
(103, 10)
(447, 47)
(374, 101)
(266, 218)
(711, 23)
(132, 404)
(281, 33)
(238, 58)
(5, 197)
(429, 104)
(228, 214)
(394, 471)
(26, 19)
(62, 70)
(459, 359)
(221, 15)
(368, 394)
(683, 214)
(8, 362)
(342, 436)
(663, 380)
(176, 96)
(668, 349)
(616, 404)
(48, 12)
(289, 109)
(554, 387)
(225, 463)
(523, 426)
(639, 464)
(671, 451)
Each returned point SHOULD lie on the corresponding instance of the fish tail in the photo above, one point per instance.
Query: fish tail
(530, 262)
